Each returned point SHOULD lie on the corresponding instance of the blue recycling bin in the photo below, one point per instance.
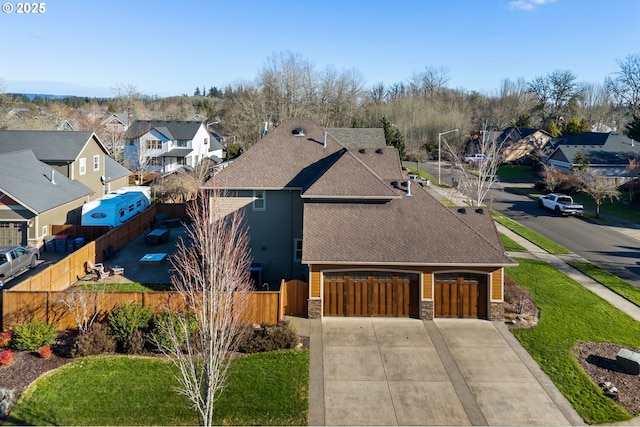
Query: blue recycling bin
(78, 242)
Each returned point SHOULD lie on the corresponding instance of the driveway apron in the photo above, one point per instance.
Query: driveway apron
(409, 372)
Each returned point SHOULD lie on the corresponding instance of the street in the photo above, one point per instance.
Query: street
(610, 250)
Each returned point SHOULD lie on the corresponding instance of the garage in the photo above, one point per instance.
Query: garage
(461, 295)
(12, 233)
(371, 294)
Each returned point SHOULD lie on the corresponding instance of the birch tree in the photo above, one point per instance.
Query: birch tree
(211, 273)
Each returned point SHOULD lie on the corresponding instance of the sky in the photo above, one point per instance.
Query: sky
(166, 48)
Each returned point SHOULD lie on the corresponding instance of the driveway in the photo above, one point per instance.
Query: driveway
(373, 371)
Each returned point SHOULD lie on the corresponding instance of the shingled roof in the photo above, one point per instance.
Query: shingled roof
(48, 146)
(172, 129)
(35, 189)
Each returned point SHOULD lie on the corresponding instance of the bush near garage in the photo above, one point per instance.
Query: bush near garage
(265, 337)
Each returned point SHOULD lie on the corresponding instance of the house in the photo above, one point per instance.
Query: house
(609, 153)
(345, 219)
(519, 144)
(34, 195)
(116, 123)
(163, 146)
(80, 156)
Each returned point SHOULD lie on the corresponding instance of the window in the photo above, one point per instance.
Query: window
(259, 200)
(96, 162)
(206, 141)
(45, 230)
(297, 250)
(154, 161)
(82, 166)
(154, 144)
(182, 143)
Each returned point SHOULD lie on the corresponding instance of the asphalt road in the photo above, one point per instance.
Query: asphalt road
(612, 251)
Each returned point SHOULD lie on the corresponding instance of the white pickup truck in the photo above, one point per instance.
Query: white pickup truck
(14, 259)
(560, 204)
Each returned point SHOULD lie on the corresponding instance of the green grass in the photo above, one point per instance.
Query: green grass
(609, 280)
(620, 208)
(126, 287)
(532, 236)
(571, 314)
(262, 389)
(510, 245)
(424, 175)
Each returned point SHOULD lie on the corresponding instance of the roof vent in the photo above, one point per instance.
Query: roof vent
(324, 141)
(480, 211)
(361, 150)
(462, 210)
(379, 151)
(298, 132)
(409, 188)
(53, 177)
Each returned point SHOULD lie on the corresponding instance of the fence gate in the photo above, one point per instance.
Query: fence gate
(295, 296)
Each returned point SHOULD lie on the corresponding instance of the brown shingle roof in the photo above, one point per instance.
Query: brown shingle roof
(354, 138)
(410, 230)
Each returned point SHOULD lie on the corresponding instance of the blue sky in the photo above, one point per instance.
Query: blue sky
(164, 48)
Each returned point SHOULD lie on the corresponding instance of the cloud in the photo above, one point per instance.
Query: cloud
(528, 5)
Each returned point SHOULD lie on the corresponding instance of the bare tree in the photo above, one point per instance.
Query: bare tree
(85, 305)
(552, 178)
(625, 86)
(212, 275)
(599, 187)
(475, 180)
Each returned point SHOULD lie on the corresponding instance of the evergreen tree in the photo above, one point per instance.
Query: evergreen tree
(197, 92)
(393, 136)
(553, 129)
(633, 128)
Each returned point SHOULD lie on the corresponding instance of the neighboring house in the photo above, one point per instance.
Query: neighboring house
(65, 126)
(163, 146)
(608, 153)
(80, 156)
(116, 123)
(32, 196)
(520, 143)
(367, 241)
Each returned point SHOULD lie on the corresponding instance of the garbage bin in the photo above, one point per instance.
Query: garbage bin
(70, 244)
(61, 243)
(78, 242)
(49, 244)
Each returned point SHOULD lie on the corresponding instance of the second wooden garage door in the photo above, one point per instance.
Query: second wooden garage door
(461, 295)
(371, 294)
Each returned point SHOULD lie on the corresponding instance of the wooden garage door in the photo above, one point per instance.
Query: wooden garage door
(11, 233)
(461, 295)
(371, 294)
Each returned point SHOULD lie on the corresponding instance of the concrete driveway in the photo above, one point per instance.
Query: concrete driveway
(373, 371)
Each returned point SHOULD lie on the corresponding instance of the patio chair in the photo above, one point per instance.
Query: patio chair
(98, 269)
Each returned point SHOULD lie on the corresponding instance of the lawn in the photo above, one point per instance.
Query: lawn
(263, 389)
(571, 314)
(422, 174)
(609, 280)
(510, 245)
(124, 287)
(517, 173)
(546, 244)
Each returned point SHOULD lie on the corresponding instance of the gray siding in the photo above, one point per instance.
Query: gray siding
(272, 233)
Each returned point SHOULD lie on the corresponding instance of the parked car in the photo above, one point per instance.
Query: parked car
(14, 259)
(560, 204)
(475, 158)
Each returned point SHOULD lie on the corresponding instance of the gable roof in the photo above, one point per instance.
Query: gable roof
(598, 148)
(29, 182)
(172, 129)
(119, 117)
(114, 170)
(283, 159)
(48, 145)
(415, 230)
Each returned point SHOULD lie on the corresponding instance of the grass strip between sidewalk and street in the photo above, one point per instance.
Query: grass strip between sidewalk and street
(569, 314)
(510, 245)
(532, 236)
(611, 281)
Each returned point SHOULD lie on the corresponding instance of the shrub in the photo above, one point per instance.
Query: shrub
(268, 338)
(135, 343)
(517, 298)
(33, 335)
(128, 318)
(6, 357)
(45, 352)
(169, 319)
(95, 341)
(5, 339)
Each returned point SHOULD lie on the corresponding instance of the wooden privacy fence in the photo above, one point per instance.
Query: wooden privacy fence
(49, 306)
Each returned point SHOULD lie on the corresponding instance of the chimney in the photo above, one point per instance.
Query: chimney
(324, 143)
(53, 177)
(409, 188)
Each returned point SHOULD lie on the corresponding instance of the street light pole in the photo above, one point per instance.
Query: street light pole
(439, 138)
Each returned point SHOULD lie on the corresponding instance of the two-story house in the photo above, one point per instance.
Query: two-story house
(78, 157)
(164, 146)
(344, 218)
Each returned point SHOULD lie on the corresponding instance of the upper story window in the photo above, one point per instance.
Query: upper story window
(297, 250)
(259, 200)
(206, 141)
(153, 144)
(183, 143)
(96, 162)
(82, 165)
